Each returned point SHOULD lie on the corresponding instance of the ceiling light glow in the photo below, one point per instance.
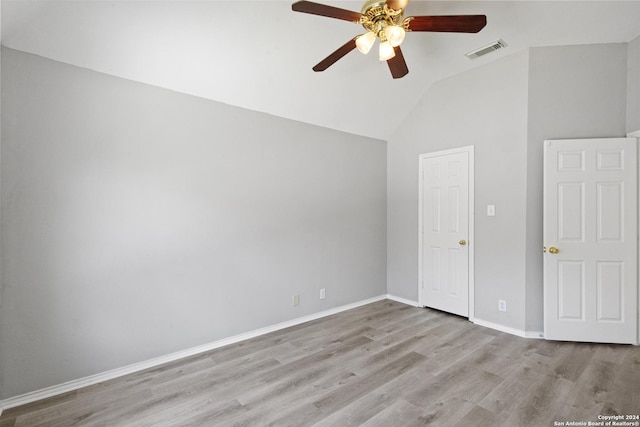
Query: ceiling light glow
(365, 42)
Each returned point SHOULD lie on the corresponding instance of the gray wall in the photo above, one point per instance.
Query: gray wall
(485, 107)
(574, 92)
(633, 85)
(506, 109)
(139, 222)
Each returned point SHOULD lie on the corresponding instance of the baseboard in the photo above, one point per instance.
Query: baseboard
(52, 391)
(509, 330)
(403, 300)
(479, 322)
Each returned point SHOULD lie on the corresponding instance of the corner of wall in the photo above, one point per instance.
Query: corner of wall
(533, 273)
(633, 85)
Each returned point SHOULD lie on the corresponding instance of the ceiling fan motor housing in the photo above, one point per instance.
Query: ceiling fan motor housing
(376, 15)
(369, 4)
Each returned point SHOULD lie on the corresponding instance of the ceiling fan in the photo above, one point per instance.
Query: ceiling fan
(384, 20)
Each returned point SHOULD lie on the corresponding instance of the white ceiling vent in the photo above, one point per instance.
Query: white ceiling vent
(498, 44)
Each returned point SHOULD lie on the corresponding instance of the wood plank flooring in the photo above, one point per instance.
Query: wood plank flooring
(384, 364)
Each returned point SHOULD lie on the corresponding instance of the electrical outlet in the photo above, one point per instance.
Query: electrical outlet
(502, 305)
(323, 295)
(296, 300)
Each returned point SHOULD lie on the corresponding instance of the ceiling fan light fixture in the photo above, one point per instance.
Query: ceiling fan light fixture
(365, 42)
(384, 19)
(395, 34)
(386, 51)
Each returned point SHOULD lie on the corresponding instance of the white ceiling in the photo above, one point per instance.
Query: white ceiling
(258, 54)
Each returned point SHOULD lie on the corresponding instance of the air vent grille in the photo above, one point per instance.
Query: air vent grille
(477, 53)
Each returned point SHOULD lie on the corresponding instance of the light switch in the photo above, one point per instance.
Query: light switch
(491, 210)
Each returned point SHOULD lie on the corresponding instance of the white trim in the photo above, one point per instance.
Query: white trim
(509, 330)
(404, 301)
(636, 134)
(479, 322)
(45, 393)
(471, 238)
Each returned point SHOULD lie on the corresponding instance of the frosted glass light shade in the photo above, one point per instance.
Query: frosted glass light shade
(365, 42)
(395, 34)
(386, 51)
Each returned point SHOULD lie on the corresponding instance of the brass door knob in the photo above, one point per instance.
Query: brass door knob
(553, 250)
(462, 242)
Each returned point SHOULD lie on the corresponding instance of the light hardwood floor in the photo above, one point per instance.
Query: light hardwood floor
(384, 364)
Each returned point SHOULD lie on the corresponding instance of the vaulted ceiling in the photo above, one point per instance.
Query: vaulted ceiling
(258, 54)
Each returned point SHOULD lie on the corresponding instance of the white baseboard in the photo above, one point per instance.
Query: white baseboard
(403, 300)
(45, 393)
(509, 330)
(480, 322)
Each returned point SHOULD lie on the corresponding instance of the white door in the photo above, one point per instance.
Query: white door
(445, 224)
(590, 238)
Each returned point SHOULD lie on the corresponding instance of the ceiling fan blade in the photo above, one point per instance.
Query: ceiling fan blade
(397, 4)
(397, 64)
(335, 56)
(452, 24)
(324, 10)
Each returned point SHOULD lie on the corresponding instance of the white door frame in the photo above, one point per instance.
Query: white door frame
(636, 134)
(471, 240)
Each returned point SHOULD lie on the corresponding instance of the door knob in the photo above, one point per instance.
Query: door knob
(554, 250)
(462, 242)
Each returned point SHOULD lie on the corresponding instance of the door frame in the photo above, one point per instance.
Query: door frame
(636, 135)
(469, 149)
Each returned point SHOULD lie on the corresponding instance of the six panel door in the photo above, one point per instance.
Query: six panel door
(444, 227)
(590, 238)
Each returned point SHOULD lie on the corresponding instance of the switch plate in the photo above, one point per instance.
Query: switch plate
(296, 300)
(502, 305)
(323, 294)
(491, 210)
